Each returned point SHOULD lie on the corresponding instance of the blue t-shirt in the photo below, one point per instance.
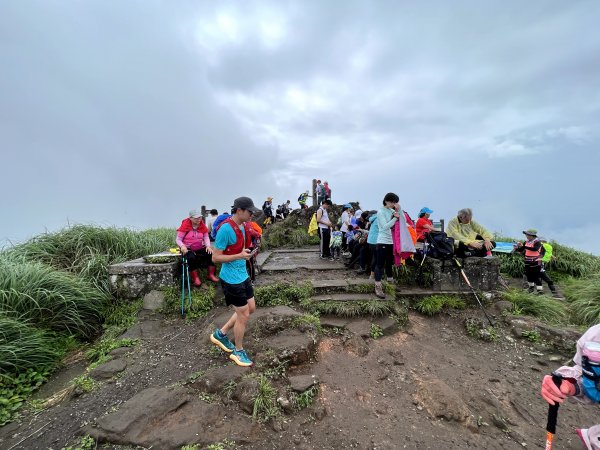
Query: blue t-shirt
(233, 272)
(373, 230)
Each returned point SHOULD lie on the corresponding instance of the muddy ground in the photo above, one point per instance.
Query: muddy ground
(427, 386)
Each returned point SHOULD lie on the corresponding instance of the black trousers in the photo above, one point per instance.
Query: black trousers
(325, 236)
(198, 259)
(464, 251)
(532, 272)
(385, 260)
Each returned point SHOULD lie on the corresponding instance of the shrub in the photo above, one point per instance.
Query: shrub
(435, 303)
(88, 250)
(584, 296)
(282, 294)
(48, 298)
(25, 347)
(541, 306)
(265, 403)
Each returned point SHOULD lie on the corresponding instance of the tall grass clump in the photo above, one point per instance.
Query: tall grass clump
(282, 294)
(541, 306)
(88, 250)
(584, 297)
(24, 347)
(50, 299)
(575, 263)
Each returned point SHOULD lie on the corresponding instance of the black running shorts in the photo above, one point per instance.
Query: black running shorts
(238, 294)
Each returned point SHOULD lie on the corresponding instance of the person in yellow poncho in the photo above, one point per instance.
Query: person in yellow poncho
(470, 238)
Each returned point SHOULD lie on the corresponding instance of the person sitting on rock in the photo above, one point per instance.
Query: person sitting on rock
(470, 238)
(193, 240)
(424, 224)
(579, 381)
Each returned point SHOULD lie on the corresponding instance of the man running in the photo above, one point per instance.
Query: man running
(231, 249)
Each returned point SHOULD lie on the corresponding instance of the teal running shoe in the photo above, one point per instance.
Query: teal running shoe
(222, 341)
(241, 358)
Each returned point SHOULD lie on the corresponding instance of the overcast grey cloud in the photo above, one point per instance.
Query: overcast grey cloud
(129, 113)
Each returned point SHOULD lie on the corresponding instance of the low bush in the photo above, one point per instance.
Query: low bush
(584, 297)
(541, 306)
(50, 299)
(282, 294)
(434, 304)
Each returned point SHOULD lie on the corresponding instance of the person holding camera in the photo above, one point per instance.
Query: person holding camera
(194, 242)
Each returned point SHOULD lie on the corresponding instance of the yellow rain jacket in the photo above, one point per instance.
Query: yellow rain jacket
(466, 233)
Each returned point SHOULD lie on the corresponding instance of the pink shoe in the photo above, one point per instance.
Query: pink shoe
(585, 439)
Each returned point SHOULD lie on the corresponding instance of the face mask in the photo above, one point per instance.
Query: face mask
(590, 364)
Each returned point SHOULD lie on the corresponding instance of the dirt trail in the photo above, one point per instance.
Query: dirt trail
(428, 386)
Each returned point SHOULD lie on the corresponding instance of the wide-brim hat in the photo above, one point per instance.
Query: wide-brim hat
(531, 232)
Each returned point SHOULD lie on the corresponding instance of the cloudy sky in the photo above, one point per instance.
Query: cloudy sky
(130, 113)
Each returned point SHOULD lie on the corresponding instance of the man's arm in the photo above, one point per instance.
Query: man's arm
(219, 257)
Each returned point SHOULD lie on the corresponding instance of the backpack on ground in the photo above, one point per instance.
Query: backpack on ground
(439, 245)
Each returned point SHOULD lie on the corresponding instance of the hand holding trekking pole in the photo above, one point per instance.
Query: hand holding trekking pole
(184, 249)
(552, 409)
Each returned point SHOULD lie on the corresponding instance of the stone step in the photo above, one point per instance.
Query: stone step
(421, 293)
(348, 297)
(341, 285)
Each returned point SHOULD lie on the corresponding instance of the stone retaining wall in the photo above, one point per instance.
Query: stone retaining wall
(483, 273)
(133, 279)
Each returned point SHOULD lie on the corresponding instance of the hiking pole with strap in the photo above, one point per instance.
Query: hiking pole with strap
(185, 274)
(464, 275)
(552, 416)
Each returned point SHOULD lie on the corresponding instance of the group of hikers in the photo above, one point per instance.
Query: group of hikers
(390, 236)
(378, 239)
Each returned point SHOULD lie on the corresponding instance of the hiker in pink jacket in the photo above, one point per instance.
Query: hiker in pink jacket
(582, 382)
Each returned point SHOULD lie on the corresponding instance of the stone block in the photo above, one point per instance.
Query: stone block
(483, 273)
(133, 279)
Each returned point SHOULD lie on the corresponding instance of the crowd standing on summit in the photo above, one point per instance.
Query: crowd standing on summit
(375, 240)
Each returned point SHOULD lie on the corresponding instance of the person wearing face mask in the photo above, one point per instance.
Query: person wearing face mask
(386, 218)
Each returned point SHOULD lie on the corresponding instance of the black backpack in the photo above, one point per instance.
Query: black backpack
(439, 245)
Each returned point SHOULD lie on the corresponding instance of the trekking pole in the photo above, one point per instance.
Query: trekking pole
(183, 267)
(464, 275)
(552, 416)
(187, 269)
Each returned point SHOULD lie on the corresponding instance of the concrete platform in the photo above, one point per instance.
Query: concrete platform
(281, 260)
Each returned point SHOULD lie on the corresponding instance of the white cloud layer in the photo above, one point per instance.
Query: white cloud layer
(130, 113)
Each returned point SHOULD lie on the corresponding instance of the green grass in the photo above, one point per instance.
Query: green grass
(202, 300)
(50, 299)
(355, 309)
(287, 234)
(376, 331)
(541, 306)
(307, 321)
(88, 250)
(434, 304)
(265, 402)
(282, 294)
(306, 398)
(584, 297)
